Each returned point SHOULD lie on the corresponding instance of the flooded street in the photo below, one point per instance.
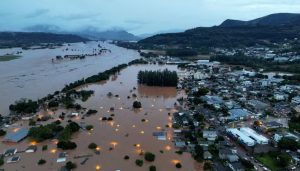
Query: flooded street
(130, 132)
(34, 75)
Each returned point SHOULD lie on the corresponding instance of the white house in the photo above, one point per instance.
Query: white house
(279, 97)
(210, 135)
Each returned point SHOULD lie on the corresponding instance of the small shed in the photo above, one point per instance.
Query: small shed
(31, 149)
(62, 157)
(10, 152)
(13, 159)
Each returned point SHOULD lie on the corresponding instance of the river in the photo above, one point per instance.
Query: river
(34, 75)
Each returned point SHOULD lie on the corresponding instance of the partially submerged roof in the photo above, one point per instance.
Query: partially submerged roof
(13, 159)
(10, 151)
(16, 136)
(32, 147)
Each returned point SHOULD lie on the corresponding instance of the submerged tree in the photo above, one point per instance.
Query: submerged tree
(137, 104)
(164, 78)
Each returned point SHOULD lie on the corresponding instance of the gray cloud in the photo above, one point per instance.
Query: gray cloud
(37, 13)
(138, 16)
(79, 16)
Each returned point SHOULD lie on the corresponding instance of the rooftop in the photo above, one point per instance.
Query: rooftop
(16, 136)
(257, 137)
(241, 136)
(237, 113)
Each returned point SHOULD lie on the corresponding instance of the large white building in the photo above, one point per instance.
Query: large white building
(244, 139)
(259, 139)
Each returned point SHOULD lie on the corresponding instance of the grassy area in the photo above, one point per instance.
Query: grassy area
(268, 161)
(5, 58)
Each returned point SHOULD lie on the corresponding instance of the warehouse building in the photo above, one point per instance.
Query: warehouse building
(259, 139)
(244, 139)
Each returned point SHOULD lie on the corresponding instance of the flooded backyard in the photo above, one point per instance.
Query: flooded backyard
(34, 75)
(130, 132)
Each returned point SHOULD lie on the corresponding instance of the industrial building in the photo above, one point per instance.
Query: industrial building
(259, 139)
(247, 136)
(244, 139)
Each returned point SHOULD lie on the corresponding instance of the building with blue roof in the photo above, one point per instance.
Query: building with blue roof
(215, 101)
(238, 114)
(17, 136)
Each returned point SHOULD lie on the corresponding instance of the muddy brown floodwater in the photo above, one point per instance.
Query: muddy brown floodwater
(123, 133)
(34, 75)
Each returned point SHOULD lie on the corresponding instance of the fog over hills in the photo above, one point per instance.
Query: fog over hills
(87, 32)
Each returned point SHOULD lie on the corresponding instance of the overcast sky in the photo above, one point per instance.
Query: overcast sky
(136, 16)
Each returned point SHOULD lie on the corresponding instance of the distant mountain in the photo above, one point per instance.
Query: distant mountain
(89, 32)
(20, 39)
(280, 19)
(45, 28)
(232, 33)
(113, 34)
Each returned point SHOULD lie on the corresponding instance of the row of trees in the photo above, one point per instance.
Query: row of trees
(138, 61)
(102, 76)
(30, 106)
(24, 106)
(158, 78)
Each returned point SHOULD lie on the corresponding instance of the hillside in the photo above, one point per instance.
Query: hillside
(280, 19)
(231, 33)
(20, 39)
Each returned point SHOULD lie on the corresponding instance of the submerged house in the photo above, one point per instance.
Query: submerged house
(13, 159)
(10, 152)
(31, 149)
(16, 136)
(160, 135)
(62, 157)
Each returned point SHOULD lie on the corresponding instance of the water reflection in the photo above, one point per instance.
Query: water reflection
(165, 92)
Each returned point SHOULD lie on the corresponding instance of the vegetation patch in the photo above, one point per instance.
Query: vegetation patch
(149, 156)
(5, 58)
(163, 78)
(137, 105)
(274, 160)
(41, 162)
(139, 162)
(66, 145)
(24, 106)
(92, 146)
(2, 132)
